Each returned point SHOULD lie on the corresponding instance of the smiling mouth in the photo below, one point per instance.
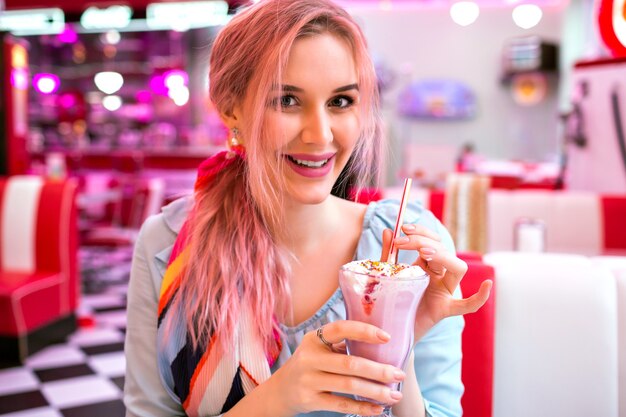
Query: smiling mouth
(308, 164)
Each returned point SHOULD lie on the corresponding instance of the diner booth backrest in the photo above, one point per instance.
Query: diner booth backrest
(138, 199)
(39, 283)
(573, 220)
(556, 345)
(577, 222)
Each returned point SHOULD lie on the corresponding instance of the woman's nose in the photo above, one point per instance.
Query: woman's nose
(317, 129)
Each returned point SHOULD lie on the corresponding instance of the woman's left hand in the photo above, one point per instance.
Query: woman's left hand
(446, 272)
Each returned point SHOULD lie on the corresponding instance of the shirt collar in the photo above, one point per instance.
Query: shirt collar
(174, 216)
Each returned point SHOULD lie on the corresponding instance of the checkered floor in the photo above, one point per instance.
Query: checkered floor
(82, 378)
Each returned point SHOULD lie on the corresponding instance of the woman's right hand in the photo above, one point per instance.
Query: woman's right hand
(307, 381)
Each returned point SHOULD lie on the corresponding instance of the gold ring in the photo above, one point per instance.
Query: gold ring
(320, 336)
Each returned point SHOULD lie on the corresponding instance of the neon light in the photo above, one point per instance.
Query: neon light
(68, 35)
(19, 78)
(113, 17)
(19, 57)
(157, 84)
(67, 101)
(46, 83)
(186, 15)
(32, 21)
(143, 96)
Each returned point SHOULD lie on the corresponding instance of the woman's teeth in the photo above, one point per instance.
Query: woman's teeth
(308, 164)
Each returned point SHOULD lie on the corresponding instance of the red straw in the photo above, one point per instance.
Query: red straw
(392, 257)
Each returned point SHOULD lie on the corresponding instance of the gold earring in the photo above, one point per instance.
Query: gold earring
(234, 140)
(234, 146)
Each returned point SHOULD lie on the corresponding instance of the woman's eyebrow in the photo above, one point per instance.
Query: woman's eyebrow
(346, 88)
(293, 89)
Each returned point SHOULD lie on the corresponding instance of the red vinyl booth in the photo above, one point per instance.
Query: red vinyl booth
(138, 199)
(478, 342)
(39, 284)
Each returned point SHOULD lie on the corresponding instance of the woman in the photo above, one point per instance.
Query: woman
(229, 287)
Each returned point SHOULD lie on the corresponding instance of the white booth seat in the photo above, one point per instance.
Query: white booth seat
(556, 351)
(573, 220)
(617, 265)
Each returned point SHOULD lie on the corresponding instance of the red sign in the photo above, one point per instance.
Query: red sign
(612, 25)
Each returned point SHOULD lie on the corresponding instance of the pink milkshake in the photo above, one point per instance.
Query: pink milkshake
(387, 296)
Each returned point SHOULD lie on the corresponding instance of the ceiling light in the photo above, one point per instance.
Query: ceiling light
(527, 16)
(179, 95)
(112, 37)
(464, 13)
(112, 103)
(175, 79)
(108, 81)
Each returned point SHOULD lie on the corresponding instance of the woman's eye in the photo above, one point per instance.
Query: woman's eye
(287, 101)
(342, 102)
(283, 102)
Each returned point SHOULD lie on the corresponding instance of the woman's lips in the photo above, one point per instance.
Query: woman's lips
(299, 162)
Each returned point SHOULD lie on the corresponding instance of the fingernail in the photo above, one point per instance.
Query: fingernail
(383, 335)
(396, 395)
(428, 251)
(399, 375)
(402, 240)
(408, 227)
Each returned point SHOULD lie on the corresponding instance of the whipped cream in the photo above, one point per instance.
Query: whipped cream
(384, 269)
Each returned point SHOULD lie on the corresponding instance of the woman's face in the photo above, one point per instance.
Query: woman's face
(315, 116)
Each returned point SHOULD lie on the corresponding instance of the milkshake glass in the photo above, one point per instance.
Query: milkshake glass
(387, 296)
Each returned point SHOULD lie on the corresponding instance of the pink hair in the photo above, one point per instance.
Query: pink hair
(236, 222)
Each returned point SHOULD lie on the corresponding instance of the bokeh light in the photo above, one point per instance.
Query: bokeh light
(46, 83)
